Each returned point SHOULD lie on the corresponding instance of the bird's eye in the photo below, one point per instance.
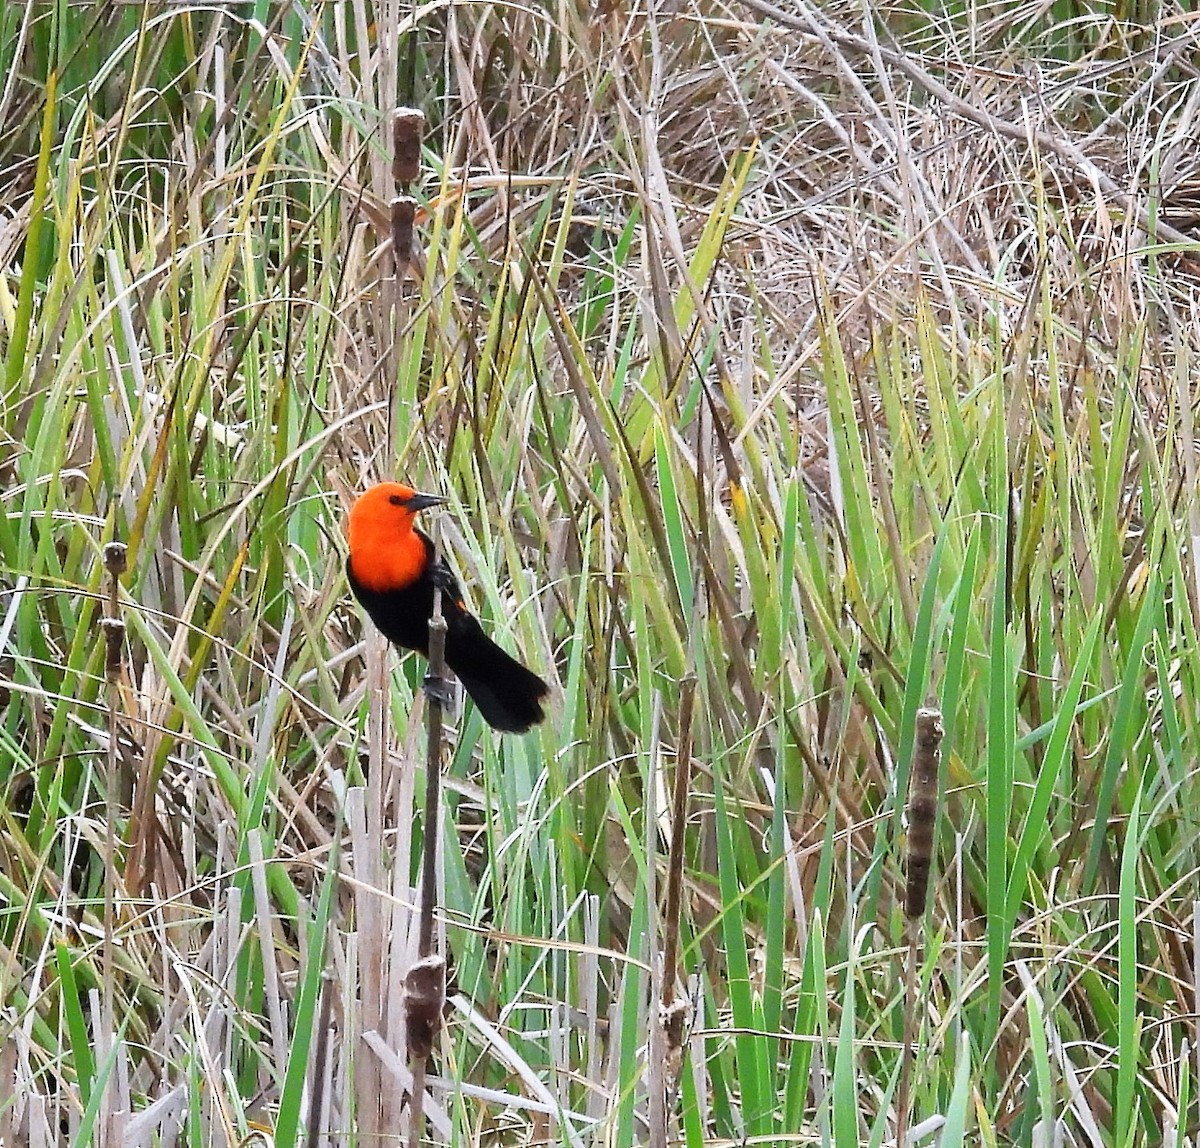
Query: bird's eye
(395, 500)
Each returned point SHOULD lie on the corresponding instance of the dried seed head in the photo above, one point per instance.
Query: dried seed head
(424, 997)
(114, 641)
(404, 212)
(922, 810)
(407, 127)
(674, 1018)
(116, 556)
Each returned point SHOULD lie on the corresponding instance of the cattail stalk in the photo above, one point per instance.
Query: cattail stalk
(425, 981)
(113, 626)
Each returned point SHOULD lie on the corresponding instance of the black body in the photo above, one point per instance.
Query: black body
(507, 693)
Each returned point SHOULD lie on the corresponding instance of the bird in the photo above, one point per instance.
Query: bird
(393, 567)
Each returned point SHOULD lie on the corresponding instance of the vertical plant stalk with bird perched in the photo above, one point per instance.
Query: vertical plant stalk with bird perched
(425, 981)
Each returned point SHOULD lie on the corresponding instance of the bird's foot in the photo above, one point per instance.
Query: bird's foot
(438, 691)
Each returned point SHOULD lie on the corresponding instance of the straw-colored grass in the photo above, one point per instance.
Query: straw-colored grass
(844, 368)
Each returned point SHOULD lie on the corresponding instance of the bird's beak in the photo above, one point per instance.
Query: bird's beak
(421, 501)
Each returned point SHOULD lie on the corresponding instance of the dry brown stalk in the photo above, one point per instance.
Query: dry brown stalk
(115, 562)
(425, 981)
(318, 1082)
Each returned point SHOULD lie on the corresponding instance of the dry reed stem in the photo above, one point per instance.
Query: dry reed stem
(318, 1082)
(1081, 167)
(115, 561)
(367, 816)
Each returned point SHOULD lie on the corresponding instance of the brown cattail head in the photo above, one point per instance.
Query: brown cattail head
(674, 1018)
(115, 558)
(114, 640)
(922, 809)
(404, 212)
(424, 997)
(407, 126)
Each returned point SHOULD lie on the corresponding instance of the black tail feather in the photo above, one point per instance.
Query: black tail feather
(508, 694)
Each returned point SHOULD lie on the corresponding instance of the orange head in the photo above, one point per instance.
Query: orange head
(386, 553)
